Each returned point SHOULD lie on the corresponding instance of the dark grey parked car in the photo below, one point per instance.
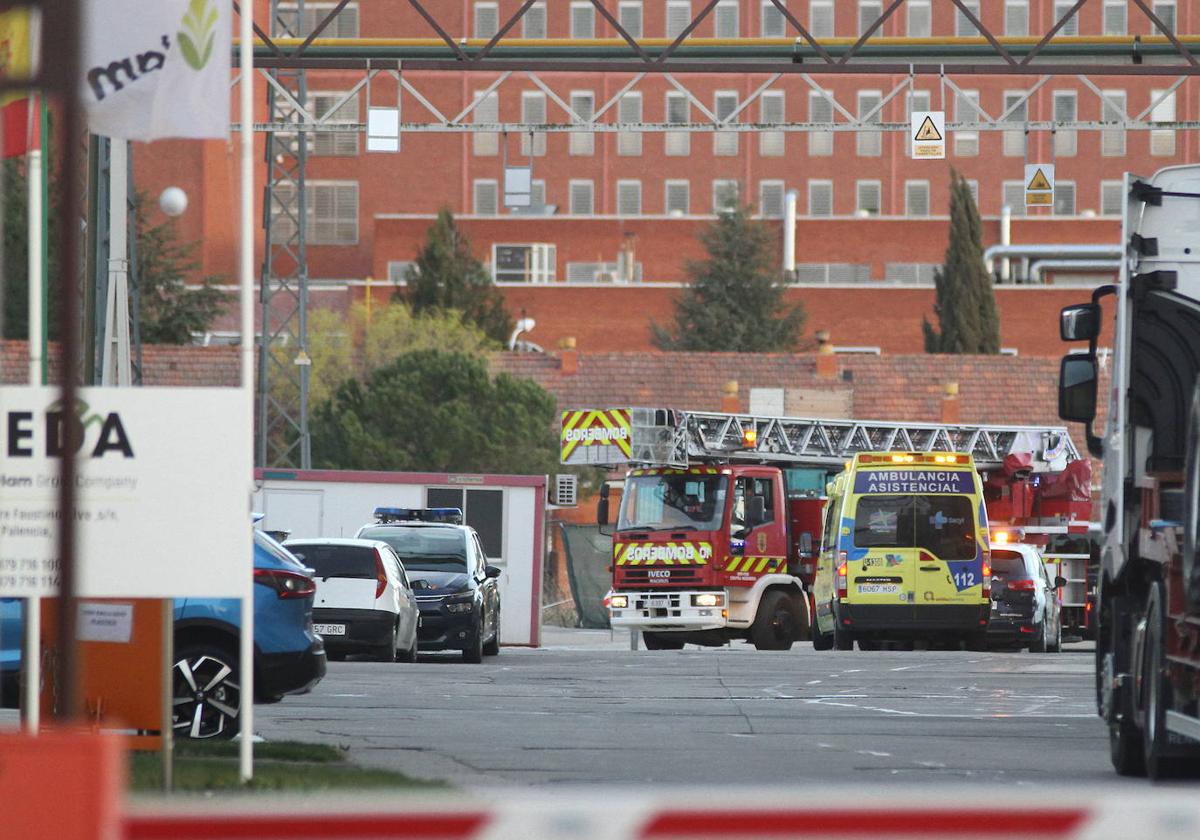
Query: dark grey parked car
(1026, 612)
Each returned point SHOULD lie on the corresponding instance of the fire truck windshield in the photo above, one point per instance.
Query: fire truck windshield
(673, 501)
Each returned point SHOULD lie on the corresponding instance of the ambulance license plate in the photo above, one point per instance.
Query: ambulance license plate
(330, 629)
(878, 588)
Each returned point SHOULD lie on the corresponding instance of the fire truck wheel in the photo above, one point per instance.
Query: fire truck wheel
(820, 641)
(776, 625)
(659, 641)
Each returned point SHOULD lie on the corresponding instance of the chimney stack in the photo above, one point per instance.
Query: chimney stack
(826, 361)
(950, 406)
(568, 356)
(730, 404)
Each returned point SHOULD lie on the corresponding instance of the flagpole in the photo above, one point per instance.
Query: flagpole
(31, 654)
(246, 270)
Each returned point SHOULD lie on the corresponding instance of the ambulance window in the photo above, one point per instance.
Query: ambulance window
(884, 522)
(946, 526)
(829, 537)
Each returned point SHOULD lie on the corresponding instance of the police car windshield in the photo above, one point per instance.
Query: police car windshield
(942, 525)
(681, 501)
(424, 548)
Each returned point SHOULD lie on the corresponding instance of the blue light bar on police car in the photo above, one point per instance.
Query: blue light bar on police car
(450, 515)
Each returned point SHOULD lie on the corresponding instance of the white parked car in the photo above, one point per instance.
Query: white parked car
(364, 602)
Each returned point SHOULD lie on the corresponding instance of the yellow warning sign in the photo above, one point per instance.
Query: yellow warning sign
(928, 132)
(1039, 182)
(1039, 199)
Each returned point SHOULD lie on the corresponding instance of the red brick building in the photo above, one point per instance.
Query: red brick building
(871, 220)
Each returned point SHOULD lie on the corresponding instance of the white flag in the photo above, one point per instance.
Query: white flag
(157, 68)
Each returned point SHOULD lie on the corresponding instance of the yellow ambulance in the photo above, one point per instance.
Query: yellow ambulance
(904, 553)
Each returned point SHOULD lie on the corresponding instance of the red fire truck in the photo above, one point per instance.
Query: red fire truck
(714, 540)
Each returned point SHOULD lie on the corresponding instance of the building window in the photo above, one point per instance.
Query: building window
(288, 22)
(486, 194)
(583, 103)
(962, 24)
(725, 23)
(1112, 141)
(532, 263)
(629, 111)
(533, 112)
(820, 198)
(919, 23)
(1062, 7)
(533, 22)
(770, 199)
(820, 110)
(629, 198)
(869, 11)
(771, 143)
(917, 100)
(341, 143)
(774, 25)
(1114, 17)
(725, 196)
(725, 143)
(820, 18)
(1112, 198)
(868, 193)
(679, 15)
(1014, 138)
(869, 143)
(678, 143)
(1016, 17)
(629, 15)
(1166, 13)
(677, 198)
(1064, 198)
(487, 20)
(486, 144)
(916, 198)
(1013, 197)
(973, 189)
(1066, 110)
(331, 213)
(397, 271)
(583, 20)
(581, 198)
(966, 143)
(1162, 140)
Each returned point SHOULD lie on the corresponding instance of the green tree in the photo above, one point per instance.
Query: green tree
(433, 410)
(14, 310)
(447, 276)
(965, 302)
(169, 309)
(735, 301)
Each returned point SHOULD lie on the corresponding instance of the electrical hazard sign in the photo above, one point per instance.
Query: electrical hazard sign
(1039, 185)
(928, 135)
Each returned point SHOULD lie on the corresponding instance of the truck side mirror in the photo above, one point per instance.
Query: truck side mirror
(602, 506)
(1077, 377)
(756, 511)
(1080, 322)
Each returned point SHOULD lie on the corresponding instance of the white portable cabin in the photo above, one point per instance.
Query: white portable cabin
(508, 511)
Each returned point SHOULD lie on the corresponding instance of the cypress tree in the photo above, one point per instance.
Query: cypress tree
(965, 302)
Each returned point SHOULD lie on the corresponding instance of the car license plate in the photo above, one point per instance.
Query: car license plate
(658, 603)
(878, 588)
(330, 629)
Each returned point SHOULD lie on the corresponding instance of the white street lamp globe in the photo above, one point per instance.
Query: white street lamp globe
(173, 201)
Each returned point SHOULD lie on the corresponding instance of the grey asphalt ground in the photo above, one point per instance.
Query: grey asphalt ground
(584, 708)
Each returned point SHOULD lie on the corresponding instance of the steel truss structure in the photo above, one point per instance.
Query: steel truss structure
(284, 61)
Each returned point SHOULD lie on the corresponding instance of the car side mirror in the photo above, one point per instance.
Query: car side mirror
(1080, 322)
(1060, 582)
(492, 571)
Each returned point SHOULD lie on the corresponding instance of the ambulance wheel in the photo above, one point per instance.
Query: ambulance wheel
(776, 625)
(870, 644)
(843, 639)
(660, 641)
(820, 641)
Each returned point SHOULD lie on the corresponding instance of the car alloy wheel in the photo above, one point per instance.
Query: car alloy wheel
(205, 693)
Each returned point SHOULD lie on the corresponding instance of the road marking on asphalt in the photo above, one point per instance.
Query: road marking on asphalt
(875, 753)
(349, 695)
(813, 682)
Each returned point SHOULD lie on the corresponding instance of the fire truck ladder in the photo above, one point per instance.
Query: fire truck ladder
(679, 438)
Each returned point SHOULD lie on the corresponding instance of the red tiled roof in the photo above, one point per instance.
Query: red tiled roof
(162, 364)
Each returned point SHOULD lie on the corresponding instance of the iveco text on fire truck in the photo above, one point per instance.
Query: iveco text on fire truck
(715, 542)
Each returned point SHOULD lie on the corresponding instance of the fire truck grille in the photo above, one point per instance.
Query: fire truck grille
(679, 576)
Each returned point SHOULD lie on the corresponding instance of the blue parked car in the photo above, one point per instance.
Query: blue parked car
(289, 658)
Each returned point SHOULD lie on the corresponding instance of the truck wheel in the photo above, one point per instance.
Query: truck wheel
(1156, 693)
(843, 638)
(1125, 748)
(775, 626)
(820, 641)
(660, 641)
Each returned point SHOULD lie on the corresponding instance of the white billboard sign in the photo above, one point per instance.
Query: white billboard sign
(163, 481)
(927, 135)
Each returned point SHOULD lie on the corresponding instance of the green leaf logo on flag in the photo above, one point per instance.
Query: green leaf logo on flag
(198, 34)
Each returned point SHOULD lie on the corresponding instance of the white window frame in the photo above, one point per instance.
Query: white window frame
(820, 143)
(865, 7)
(725, 143)
(1065, 139)
(1115, 190)
(316, 13)
(772, 143)
(485, 143)
(773, 24)
(629, 143)
(334, 144)
(918, 28)
(1071, 27)
(858, 195)
(632, 6)
(626, 183)
(675, 6)
(1015, 189)
(687, 194)
(1160, 7)
(763, 186)
(476, 185)
(1061, 188)
(817, 28)
(1112, 141)
(582, 143)
(1013, 143)
(591, 187)
(724, 11)
(1115, 7)
(476, 8)
(1016, 6)
(869, 143)
(577, 6)
(1162, 140)
(963, 28)
(924, 97)
(720, 184)
(966, 143)
(313, 231)
(819, 183)
(913, 184)
(533, 143)
(677, 143)
(527, 31)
